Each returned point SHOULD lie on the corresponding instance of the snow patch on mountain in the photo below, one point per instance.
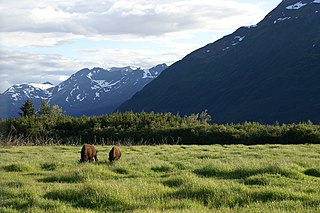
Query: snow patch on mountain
(146, 74)
(224, 49)
(239, 38)
(90, 75)
(15, 96)
(296, 6)
(21, 92)
(100, 83)
(251, 26)
(281, 19)
(236, 39)
(43, 86)
(299, 5)
(134, 67)
(79, 98)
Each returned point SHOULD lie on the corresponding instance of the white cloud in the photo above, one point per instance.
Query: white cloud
(28, 27)
(27, 39)
(49, 15)
(122, 17)
(63, 77)
(23, 67)
(4, 85)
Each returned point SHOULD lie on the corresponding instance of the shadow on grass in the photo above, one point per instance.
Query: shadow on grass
(217, 197)
(315, 172)
(122, 171)
(174, 182)
(49, 166)
(70, 178)
(209, 156)
(180, 165)
(257, 180)
(93, 198)
(14, 184)
(162, 168)
(24, 202)
(241, 173)
(17, 168)
(210, 197)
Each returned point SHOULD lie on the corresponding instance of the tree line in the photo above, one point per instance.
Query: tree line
(150, 128)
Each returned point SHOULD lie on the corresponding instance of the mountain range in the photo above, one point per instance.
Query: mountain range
(267, 72)
(87, 92)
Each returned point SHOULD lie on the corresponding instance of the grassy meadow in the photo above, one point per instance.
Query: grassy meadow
(164, 178)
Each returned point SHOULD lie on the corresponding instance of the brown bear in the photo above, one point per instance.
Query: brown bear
(114, 154)
(88, 153)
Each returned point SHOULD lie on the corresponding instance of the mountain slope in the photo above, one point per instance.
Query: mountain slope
(268, 72)
(88, 92)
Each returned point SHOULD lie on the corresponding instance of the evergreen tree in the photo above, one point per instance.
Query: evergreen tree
(45, 108)
(27, 109)
(56, 110)
(205, 118)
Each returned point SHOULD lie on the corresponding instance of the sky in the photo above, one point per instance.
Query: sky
(52, 39)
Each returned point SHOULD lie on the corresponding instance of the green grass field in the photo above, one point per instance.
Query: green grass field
(236, 178)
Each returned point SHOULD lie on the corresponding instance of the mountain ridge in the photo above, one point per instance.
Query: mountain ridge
(87, 92)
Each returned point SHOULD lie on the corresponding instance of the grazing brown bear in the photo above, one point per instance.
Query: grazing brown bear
(114, 154)
(88, 153)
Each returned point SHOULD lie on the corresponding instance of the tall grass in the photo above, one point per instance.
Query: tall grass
(165, 178)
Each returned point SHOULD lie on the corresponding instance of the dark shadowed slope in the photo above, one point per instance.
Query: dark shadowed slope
(268, 72)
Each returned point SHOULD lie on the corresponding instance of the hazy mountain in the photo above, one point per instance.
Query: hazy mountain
(88, 92)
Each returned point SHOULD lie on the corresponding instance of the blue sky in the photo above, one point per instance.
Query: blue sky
(50, 40)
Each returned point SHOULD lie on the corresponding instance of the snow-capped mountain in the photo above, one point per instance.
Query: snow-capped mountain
(267, 72)
(97, 91)
(15, 96)
(20, 92)
(87, 92)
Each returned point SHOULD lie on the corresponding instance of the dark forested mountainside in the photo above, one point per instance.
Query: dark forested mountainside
(268, 72)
